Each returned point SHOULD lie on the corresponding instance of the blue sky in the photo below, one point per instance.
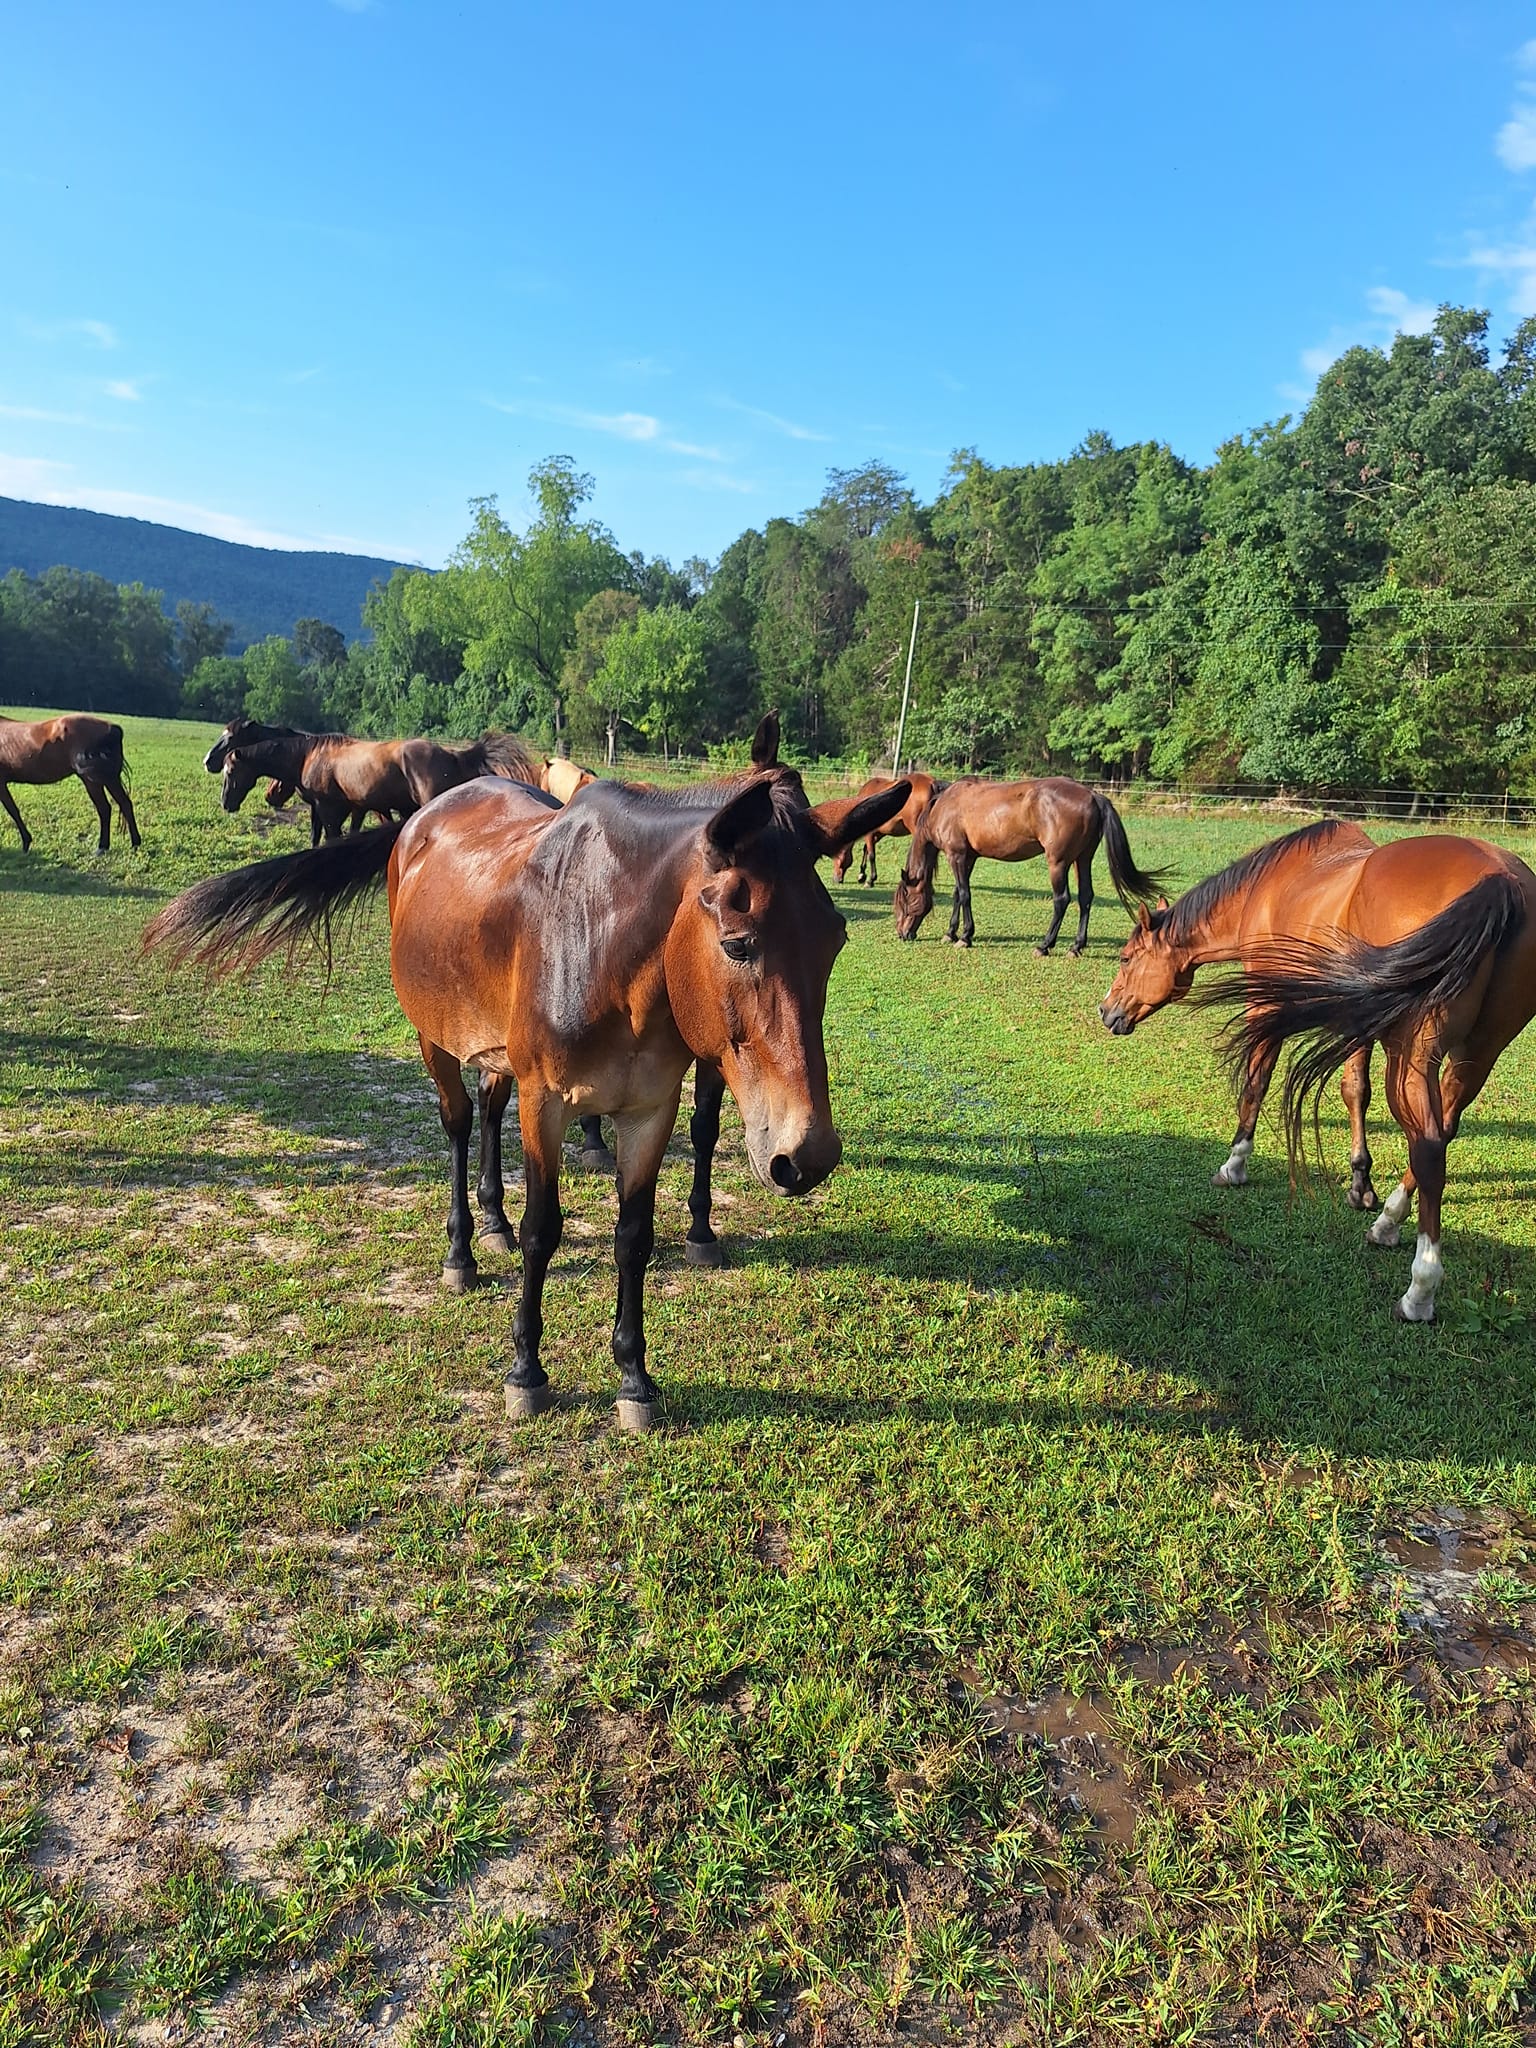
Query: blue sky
(316, 274)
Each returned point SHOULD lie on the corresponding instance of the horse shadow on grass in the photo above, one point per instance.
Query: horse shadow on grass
(1117, 1248)
(1109, 1255)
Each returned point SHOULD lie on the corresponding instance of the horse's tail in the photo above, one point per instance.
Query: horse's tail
(102, 758)
(503, 754)
(1342, 997)
(1130, 881)
(238, 919)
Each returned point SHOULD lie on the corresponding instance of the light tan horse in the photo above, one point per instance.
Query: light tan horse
(51, 749)
(563, 778)
(1426, 945)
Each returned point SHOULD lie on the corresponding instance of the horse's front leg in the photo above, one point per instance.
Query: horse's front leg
(1084, 904)
(9, 804)
(867, 855)
(1387, 1228)
(1261, 1065)
(495, 1230)
(701, 1247)
(1355, 1087)
(542, 1118)
(642, 1141)
(458, 1116)
(1061, 902)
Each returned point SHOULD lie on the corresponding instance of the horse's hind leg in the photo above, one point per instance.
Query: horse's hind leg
(962, 926)
(1261, 1065)
(1417, 1106)
(1061, 901)
(98, 797)
(495, 1093)
(867, 860)
(8, 803)
(1387, 1228)
(542, 1118)
(701, 1247)
(1084, 869)
(595, 1156)
(119, 795)
(1355, 1087)
(458, 1115)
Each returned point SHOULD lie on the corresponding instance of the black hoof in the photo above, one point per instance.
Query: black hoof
(1076, 952)
(1042, 952)
(635, 1418)
(709, 1254)
(524, 1403)
(499, 1240)
(460, 1279)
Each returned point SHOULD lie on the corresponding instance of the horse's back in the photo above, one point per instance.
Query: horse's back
(1406, 882)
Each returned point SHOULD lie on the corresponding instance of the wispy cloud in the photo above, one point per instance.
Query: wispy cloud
(1391, 312)
(43, 415)
(1515, 143)
(775, 420)
(716, 480)
(641, 427)
(125, 389)
(45, 481)
(1514, 263)
(303, 376)
(95, 331)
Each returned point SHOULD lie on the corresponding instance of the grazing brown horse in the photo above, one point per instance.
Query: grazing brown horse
(50, 749)
(281, 794)
(924, 789)
(563, 778)
(513, 951)
(343, 778)
(974, 819)
(1426, 945)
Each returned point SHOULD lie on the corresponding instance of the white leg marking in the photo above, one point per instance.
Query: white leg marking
(1385, 1229)
(1418, 1304)
(1235, 1173)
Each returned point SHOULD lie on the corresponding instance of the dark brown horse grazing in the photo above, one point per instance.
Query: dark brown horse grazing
(343, 778)
(49, 749)
(591, 956)
(924, 789)
(974, 819)
(281, 794)
(1427, 945)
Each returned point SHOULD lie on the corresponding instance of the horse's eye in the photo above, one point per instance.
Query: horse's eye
(739, 949)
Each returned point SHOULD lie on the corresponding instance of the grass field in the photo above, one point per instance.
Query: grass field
(1062, 1606)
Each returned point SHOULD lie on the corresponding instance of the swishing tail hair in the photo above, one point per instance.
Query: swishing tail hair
(506, 756)
(1340, 999)
(1129, 880)
(238, 919)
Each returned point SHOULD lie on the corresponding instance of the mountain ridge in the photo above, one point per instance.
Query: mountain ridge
(260, 590)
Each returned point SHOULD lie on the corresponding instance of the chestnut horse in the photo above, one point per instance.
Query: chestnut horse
(512, 951)
(50, 749)
(924, 789)
(1427, 945)
(974, 819)
(343, 778)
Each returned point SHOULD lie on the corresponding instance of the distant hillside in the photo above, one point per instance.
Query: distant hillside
(262, 590)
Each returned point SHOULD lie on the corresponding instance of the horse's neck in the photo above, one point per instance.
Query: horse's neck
(1219, 934)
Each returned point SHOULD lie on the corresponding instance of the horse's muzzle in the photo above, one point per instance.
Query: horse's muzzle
(807, 1166)
(1116, 1021)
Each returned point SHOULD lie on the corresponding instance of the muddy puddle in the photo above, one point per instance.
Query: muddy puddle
(1456, 1543)
(1088, 1768)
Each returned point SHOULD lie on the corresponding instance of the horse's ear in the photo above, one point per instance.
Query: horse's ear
(1162, 902)
(765, 742)
(830, 827)
(1143, 917)
(738, 821)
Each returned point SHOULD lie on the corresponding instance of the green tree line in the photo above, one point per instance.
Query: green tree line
(1340, 599)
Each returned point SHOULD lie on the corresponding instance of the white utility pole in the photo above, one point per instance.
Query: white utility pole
(906, 693)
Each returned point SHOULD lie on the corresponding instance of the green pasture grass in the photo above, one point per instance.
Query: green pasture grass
(333, 1708)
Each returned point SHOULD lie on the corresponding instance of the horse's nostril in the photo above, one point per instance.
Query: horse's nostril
(784, 1173)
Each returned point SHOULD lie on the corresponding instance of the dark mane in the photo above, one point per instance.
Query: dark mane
(788, 793)
(1180, 923)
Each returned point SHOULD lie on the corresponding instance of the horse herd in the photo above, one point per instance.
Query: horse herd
(587, 945)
